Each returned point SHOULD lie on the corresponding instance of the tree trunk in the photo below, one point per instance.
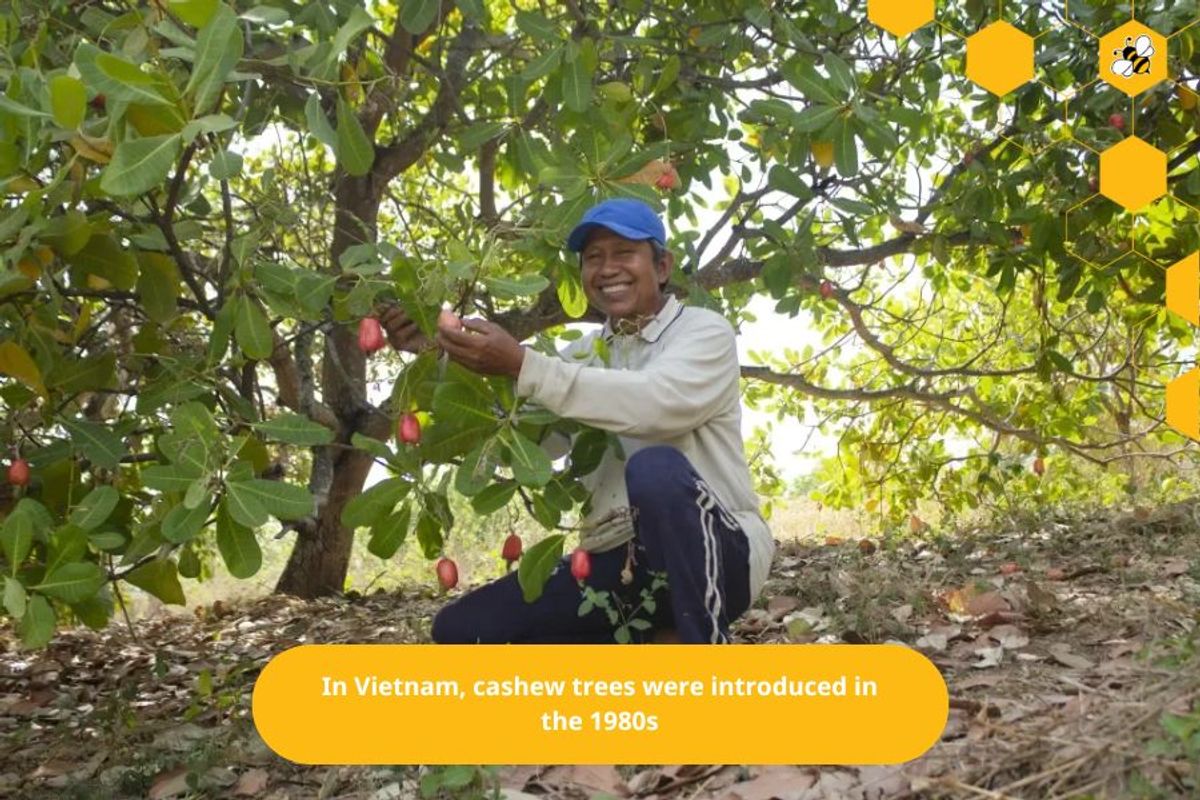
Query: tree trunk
(321, 556)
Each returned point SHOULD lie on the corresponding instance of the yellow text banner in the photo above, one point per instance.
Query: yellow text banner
(600, 704)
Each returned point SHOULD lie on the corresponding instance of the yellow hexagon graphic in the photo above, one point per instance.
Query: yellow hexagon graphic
(1183, 288)
(1000, 58)
(1133, 173)
(900, 17)
(1133, 58)
(1183, 404)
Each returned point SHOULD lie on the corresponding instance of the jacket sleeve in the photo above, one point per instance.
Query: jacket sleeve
(687, 385)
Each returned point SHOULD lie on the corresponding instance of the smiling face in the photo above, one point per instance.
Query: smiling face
(620, 277)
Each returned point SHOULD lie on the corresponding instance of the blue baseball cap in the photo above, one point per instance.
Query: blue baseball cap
(632, 219)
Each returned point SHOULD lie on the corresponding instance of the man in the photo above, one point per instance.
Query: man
(680, 498)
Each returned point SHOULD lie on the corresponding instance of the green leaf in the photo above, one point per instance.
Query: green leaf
(577, 85)
(37, 626)
(238, 545)
(318, 123)
(375, 503)
(477, 468)
(570, 293)
(472, 9)
(107, 540)
(475, 136)
(295, 429)
(244, 505)
(783, 179)
(196, 13)
(389, 532)
(536, 25)
(183, 524)
(16, 362)
(102, 447)
(843, 76)
(417, 15)
(442, 441)
(429, 535)
(14, 597)
(139, 165)
(226, 164)
(845, 150)
(68, 101)
(358, 22)
(95, 508)
(212, 123)
(531, 465)
(851, 206)
(104, 256)
(802, 75)
(355, 153)
(160, 578)
(542, 65)
(68, 544)
(19, 109)
(278, 498)
(373, 446)
(494, 497)
(252, 331)
(158, 286)
(171, 477)
(509, 286)
(218, 48)
(461, 406)
(16, 538)
(116, 78)
(815, 118)
(537, 564)
(73, 583)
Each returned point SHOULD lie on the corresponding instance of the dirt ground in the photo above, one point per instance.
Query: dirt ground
(1068, 646)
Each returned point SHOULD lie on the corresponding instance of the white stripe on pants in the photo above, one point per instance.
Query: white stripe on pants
(712, 555)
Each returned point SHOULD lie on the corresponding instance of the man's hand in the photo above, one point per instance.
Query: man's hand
(483, 347)
(402, 332)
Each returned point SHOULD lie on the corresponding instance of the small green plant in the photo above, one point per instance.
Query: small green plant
(619, 614)
(461, 782)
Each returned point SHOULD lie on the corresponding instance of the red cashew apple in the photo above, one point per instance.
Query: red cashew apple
(826, 289)
(370, 335)
(668, 180)
(581, 564)
(447, 573)
(1039, 466)
(18, 472)
(1117, 121)
(408, 430)
(512, 548)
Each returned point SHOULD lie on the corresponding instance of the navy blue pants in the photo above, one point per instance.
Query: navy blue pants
(680, 530)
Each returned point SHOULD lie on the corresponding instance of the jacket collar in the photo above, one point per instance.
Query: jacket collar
(655, 325)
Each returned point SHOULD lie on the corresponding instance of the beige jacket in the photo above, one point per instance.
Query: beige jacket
(676, 382)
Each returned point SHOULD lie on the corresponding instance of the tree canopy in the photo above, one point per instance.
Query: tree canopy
(203, 199)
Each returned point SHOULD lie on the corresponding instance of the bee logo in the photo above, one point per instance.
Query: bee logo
(1133, 59)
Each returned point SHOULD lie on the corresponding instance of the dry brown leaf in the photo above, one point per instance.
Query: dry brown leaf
(986, 679)
(1010, 637)
(782, 604)
(602, 778)
(773, 783)
(251, 783)
(1175, 567)
(169, 784)
(1061, 652)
